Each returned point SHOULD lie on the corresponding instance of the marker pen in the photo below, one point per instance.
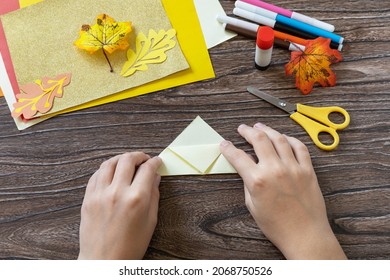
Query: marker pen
(253, 35)
(291, 14)
(310, 29)
(238, 22)
(249, 29)
(255, 9)
(281, 26)
(302, 42)
(264, 46)
(290, 38)
(290, 22)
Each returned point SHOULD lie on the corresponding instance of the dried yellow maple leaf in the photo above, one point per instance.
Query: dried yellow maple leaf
(149, 50)
(106, 34)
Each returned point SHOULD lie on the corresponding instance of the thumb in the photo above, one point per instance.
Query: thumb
(240, 160)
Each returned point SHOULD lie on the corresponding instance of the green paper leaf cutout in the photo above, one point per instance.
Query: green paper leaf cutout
(149, 50)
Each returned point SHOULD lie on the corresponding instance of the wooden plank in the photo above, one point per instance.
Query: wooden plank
(44, 169)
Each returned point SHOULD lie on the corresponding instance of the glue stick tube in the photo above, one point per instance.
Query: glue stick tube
(264, 46)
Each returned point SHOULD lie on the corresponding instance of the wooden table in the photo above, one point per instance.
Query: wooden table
(44, 169)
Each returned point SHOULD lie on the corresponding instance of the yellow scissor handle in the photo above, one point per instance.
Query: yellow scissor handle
(321, 114)
(314, 128)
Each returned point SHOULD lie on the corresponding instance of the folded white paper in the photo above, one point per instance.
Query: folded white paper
(195, 152)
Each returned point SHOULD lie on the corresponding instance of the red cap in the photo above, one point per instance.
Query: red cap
(265, 37)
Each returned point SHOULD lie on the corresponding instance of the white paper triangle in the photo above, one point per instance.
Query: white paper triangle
(201, 157)
(195, 152)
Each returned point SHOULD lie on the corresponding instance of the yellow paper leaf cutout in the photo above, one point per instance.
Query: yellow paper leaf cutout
(106, 34)
(148, 50)
(39, 96)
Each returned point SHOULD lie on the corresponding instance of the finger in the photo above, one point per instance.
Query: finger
(91, 186)
(146, 176)
(279, 141)
(248, 199)
(125, 170)
(241, 161)
(261, 143)
(155, 196)
(106, 172)
(249, 203)
(301, 152)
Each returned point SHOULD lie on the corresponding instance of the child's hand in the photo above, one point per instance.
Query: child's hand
(119, 212)
(283, 195)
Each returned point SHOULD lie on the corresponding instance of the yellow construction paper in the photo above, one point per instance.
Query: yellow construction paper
(195, 152)
(40, 40)
(1, 92)
(184, 19)
(25, 3)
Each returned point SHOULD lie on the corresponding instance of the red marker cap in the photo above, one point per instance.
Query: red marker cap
(265, 37)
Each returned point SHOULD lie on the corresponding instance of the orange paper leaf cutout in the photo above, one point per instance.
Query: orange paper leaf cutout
(106, 34)
(39, 96)
(313, 65)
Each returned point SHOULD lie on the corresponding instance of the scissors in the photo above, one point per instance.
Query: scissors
(314, 120)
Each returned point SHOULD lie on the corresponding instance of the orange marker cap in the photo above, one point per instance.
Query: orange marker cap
(265, 37)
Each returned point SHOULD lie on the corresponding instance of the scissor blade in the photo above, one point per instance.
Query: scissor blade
(281, 104)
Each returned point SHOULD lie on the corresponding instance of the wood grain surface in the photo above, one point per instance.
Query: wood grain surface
(44, 169)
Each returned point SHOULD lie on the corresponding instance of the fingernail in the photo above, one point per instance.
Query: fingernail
(259, 125)
(225, 143)
(242, 126)
(157, 158)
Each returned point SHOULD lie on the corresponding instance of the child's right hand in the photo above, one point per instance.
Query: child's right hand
(283, 195)
(119, 211)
